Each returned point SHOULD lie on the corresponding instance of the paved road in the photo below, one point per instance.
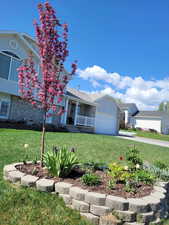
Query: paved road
(147, 140)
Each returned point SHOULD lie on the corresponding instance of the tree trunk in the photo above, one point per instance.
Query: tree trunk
(42, 151)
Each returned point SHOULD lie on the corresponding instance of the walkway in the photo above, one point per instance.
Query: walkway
(146, 140)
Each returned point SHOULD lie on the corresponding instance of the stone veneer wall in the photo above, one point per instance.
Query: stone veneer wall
(100, 208)
(85, 129)
(21, 110)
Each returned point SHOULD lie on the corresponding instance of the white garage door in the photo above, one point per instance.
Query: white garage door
(105, 124)
(149, 124)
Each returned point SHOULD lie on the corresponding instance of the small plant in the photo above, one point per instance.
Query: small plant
(160, 164)
(93, 166)
(118, 173)
(34, 171)
(60, 162)
(26, 157)
(111, 184)
(144, 176)
(133, 157)
(131, 186)
(91, 179)
(161, 174)
(35, 161)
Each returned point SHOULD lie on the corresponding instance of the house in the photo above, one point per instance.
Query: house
(97, 113)
(83, 112)
(155, 120)
(128, 110)
(14, 48)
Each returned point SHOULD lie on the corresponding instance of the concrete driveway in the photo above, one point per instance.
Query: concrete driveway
(146, 140)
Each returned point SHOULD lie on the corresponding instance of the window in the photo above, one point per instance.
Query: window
(9, 62)
(4, 66)
(4, 105)
(11, 54)
(14, 66)
(4, 109)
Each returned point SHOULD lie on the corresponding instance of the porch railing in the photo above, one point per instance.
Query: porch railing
(85, 121)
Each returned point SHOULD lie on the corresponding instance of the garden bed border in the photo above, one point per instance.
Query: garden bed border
(100, 209)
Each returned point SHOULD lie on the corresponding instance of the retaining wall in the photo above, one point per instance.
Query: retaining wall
(99, 208)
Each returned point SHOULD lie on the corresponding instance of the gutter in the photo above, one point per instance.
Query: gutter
(155, 117)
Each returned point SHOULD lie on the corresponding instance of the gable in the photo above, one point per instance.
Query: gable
(31, 42)
(12, 43)
(106, 105)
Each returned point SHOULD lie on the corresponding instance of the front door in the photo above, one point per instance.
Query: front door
(71, 112)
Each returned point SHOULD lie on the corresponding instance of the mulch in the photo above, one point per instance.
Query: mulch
(75, 179)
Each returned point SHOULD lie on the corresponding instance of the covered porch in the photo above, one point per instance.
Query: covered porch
(78, 113)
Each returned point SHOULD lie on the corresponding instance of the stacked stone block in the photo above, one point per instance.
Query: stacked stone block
(101, 209)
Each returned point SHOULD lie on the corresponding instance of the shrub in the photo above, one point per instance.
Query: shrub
(153, 131)
(91, 179)
(60, 162)
(133, 157)
(144, 176)
(161, 174)
(118, 174)
(160, 164)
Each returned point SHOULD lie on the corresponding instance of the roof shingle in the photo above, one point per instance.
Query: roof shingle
(151, 114)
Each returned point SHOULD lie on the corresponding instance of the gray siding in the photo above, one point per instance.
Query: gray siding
(10, 86)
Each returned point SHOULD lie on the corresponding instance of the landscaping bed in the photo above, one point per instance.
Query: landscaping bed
(75, 179)
(99, 208)
(88, 147)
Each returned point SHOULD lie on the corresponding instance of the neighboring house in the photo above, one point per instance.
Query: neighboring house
(83, 112)
(91, 112)
(14, 48)
(156, 120)
(131, 117)
(128, 110)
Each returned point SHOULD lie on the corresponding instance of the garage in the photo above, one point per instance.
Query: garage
(105, 124)
(107, 115)
(148, 123)
(155, 120)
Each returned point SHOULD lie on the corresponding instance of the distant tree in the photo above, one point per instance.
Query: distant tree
(49, 88)
(119, 101)
(164, 107)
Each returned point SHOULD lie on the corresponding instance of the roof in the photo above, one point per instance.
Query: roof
(126, 105)
(151, 114)
(78, 95)
(90, 98)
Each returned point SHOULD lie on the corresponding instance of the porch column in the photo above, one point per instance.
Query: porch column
(76, 111)
(126, 116)
(65, 114)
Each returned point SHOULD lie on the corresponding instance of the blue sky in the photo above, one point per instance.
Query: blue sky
(122, 46)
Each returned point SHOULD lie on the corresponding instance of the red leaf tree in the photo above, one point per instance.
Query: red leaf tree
(47, 90)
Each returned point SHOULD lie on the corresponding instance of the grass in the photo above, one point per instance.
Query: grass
(153, 135)
(20, 206)
(147, 134)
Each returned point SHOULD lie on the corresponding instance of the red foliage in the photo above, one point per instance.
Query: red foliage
(48, 90)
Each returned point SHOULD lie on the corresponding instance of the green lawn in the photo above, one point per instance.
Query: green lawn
(152, 135)
(19, 206)
(147, 134)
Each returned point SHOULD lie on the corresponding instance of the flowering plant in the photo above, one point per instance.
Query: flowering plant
(60, 162)
(52, 41)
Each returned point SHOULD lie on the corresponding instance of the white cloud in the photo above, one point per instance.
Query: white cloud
(147, 94)
(95, 83)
